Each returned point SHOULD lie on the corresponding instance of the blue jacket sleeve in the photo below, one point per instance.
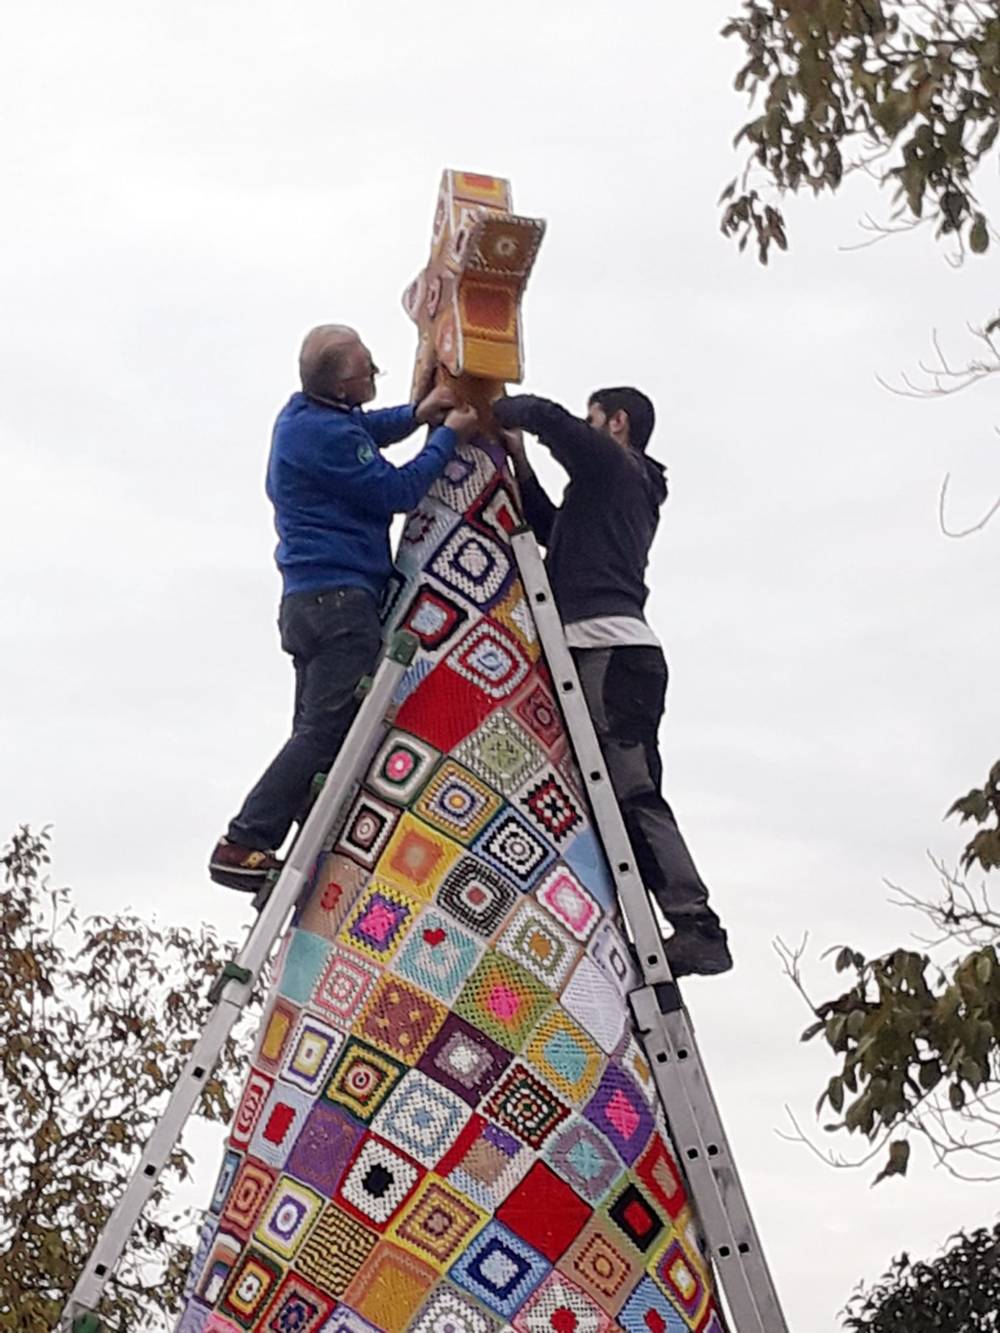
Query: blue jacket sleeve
(358, 473)
(539, 511)
(389, 425)
(572, 442)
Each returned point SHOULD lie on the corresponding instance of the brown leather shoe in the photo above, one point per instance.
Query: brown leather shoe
(242, 868)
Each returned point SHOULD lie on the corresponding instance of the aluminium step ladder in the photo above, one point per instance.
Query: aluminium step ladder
(234, 985)
(663, 1023)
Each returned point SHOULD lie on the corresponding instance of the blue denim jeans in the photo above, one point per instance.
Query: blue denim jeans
(333, 638)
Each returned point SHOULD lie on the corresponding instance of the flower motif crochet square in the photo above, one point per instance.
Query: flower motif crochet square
(298, 1307)
(647, 1310)
(559, 1305)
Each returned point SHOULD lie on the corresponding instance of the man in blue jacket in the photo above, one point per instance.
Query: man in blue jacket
(597, 549)
(334, 496)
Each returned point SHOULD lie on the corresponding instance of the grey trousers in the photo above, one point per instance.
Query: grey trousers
(626, 690)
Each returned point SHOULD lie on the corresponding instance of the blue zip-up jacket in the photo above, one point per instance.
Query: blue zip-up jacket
(334, 494)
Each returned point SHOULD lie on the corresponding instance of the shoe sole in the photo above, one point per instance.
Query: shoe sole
(243, 881)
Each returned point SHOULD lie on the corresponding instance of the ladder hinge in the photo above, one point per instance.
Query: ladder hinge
(403, 648)
(231, 972)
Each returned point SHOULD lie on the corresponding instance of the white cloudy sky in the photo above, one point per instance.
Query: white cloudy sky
(188, 187)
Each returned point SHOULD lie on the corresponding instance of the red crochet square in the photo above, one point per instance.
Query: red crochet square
(545, 1212)
(444, 708)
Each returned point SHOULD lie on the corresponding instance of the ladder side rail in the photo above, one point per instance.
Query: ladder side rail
(338, 789)
(667, 1036)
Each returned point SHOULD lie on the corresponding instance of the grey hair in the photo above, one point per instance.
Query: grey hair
(322, 357)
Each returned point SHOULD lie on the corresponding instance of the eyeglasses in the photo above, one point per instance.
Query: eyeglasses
(372, 373)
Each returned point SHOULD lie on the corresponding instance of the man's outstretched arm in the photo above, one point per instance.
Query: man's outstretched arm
(389, 425)
(571, 441)
(539, 511)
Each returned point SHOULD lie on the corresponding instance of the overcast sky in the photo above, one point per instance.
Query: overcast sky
(188, 187)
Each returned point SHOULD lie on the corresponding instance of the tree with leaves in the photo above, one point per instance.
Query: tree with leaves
(959, 1291)
(917, 1045)
(98, 1016)
(907, 91)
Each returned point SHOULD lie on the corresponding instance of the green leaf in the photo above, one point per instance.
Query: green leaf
(979, 236)
(898, 1162)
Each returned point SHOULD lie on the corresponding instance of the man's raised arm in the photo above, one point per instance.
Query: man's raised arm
(571, 441)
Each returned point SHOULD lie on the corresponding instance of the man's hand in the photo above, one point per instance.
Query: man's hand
(512, 443)
(462, 420)
(431, 410)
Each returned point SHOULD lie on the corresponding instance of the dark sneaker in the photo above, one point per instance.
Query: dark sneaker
(698, 949)
(243, 868)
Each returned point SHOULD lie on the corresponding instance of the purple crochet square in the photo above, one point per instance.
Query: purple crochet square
(620, 1112)
(328, 1138)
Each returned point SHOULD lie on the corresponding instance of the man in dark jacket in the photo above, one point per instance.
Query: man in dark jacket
(597, 544)
(334, 496)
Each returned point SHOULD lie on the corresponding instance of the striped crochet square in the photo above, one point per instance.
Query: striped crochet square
(336, 1248)
(254, 1280)
(514, 614)
(678, 1275)
(476, 895)
(275, 1032)
(224, 1181)
(458, 803)
(344, 987)
(285, 1221)
(222, 1256)
(251, 1190)
(311, 1054)
(255, 1095)
(536, 709)
(368, 829)
(504, 1000)
(659, 1173)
